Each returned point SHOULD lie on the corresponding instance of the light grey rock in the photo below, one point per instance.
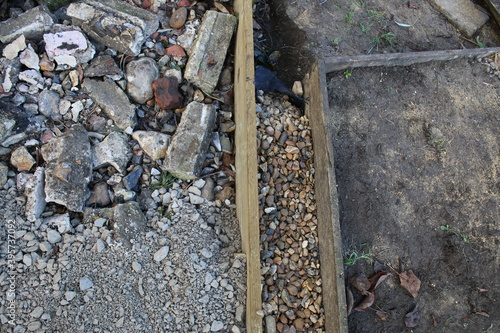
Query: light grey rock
(161, 253)
(32, 24)
(113, 150)
(195, 199)
(212, 43)
(172, 72)
(3, 174)
(216, 326)
(34, 326)
(122, 194)
(129, 222)
(85, 283)
(68, 169)
(68, 48)
(60, 221)
(187, 38)
(271, 324)
(115, 24)
(154, 144)
(21, 159)
(100, 246)
(12, 50)
(29, 58)
(69, 295)
(48, 104)
(113, 100)
(136, 267)
(53, 236)
(140, 75)
(187, 150)
(45, 247)
(6, 126)
(35, 195)
(9, 70)
(33, 77)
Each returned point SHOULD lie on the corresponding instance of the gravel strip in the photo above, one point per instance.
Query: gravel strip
(292, 300)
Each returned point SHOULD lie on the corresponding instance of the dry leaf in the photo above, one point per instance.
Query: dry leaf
(361, 283)
(378, 279)
(412, 317)
(382, 315)
(410, 282)
(484, 314)
(349, 300)
(434, 321)
(221, 7)
(366, 302)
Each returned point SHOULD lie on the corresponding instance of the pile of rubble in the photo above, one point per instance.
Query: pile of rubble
(108, 114)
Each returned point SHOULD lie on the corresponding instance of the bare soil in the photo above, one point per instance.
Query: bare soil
(416, 151)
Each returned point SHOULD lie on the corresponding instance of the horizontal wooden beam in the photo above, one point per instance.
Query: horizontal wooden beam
(333, 64)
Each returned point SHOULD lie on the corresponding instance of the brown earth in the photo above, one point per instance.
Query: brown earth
(416, 157)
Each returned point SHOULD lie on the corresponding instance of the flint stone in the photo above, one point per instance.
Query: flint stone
(114, 102)
(68, 48)
(132, 179)
(48, 104)
(12, 50)
(155, 144)
(129, 221)
(68, 169)
(104, 65)
(113, 150)
(186, 152)
(100, 196)
(61, 222)
(32, 24)
(209, 50)
(140, 75)
(21, 159)
(3, 174)
(35, 195)
(116, 24)
(29, 58)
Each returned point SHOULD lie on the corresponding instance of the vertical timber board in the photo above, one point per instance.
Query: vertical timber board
(247, 205)
(330, 249)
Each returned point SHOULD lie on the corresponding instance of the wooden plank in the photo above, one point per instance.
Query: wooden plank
(333, 64)
(494, 6)
(463, 14)
(247, 204)
(330, 247)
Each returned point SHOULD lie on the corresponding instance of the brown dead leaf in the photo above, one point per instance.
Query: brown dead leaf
(382, 315)
(481, 290)
(366, 302)
(412, 317)
(221, 7)
(361, 283)
(410, 282)
(378, 279)
(484, 314)
(349, 300)
(434, 321)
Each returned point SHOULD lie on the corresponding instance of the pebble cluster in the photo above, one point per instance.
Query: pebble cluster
(291, 295)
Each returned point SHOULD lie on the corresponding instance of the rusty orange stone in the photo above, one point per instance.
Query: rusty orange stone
(166, 91)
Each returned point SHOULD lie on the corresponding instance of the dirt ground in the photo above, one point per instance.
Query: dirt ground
(416, 150)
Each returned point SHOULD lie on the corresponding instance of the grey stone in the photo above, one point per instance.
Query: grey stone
(115, 24)
(113, 150)
(53, 236)
(85, 283)
(131, 180)
(33, 77)
(464, 14)
(60, 221)
(216, 326)
(100, 195)
(129, 221)
(12, 50)
(161, 253)
(113, 100)
(6, 126)
(104, 65)
(10, 73)
(140, 75)
(186, 152)
(56, 46)
(136, 266)
(68, 169)
(195, 199)
(35, 195)
(32, 24)
(48, 104)
(122, 194)
(271, 324)
(209, 50)
(208, 190)
(29, 58)
(69, 295)
(154, 144)
(3, 174)
(21, 159)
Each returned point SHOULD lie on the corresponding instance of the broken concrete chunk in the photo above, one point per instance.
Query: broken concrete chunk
(103, 66)
(113, 150)
(186, 152)
(464, 14)
(35, 195)
(129, 222)
(140, 75)
(113, 100)
(33, 77)
(9, 70)
(61, 222)
(68, 48)
(209, 50)
(29, 58)
(153, 143)
(115, 24)
(12, 50)
(21, 159)
(69, 169)
(32, 24)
